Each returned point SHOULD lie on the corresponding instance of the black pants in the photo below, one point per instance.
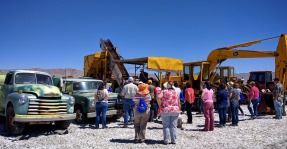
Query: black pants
(188, 112)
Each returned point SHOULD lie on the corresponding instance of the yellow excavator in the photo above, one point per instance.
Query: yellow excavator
(200, 71)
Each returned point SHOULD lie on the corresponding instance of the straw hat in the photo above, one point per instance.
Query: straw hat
(143, 88)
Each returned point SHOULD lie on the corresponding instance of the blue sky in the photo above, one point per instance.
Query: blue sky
(58, 34)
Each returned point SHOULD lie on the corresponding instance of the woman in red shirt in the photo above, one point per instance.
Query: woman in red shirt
(189, 99)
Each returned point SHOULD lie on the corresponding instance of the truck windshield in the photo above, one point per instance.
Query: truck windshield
(88, 85)
(32, 78)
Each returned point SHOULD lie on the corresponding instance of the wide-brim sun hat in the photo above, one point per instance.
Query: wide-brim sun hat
(143, 88)
(165, 85)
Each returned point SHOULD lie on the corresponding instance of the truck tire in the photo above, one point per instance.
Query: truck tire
(80, 116)
(13, 128)
(119, 115)
(62, 124)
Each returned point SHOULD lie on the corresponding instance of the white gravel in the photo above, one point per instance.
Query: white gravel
(263, 132)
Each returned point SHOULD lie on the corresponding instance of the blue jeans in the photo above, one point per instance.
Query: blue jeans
(254, 102)
(200, 104)
(128, 110)
(278, 108)
(222, 115)
(169, 122)
(101, 109)
(234, 114)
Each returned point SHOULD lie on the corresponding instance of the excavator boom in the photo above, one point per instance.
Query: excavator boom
(217, 56)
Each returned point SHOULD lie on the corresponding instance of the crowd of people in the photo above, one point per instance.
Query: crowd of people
(146, 102)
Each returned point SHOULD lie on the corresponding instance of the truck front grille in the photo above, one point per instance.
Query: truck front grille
(47, 107)
(112, 103)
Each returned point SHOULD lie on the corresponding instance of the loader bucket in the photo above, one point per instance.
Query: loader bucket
(266, 105)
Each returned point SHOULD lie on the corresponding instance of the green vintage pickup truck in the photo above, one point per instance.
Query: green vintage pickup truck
(29, 97)
(83, 90)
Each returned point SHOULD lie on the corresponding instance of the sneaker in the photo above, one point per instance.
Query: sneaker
(253, 117)
(142, 141)
(125, 126)
(172, 143)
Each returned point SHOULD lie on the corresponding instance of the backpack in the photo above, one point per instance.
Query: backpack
(241, 98)
(181, 97)
(142, 107)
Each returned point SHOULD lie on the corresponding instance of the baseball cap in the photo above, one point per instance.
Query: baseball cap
(130, 79)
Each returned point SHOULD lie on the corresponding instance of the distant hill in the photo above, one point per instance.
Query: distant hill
(61, 72)
(57, 72)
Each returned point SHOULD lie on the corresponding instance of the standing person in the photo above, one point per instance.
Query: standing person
(207, 97)
(278, 95)
(199, 100)
(253, 98)
(157, 90)
(169, 109)
(143, 76)
(240, 92)
(234, 97)
(119, 89)
(229, 86)
(189, 100)
(141, 119)
(221, 101)
(153, 101)
(101, 99)
(129, 91)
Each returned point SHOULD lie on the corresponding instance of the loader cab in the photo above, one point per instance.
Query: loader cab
(263, 79)
(225, 74)
(196, 72)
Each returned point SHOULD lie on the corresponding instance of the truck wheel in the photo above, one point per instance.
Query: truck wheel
(119, 115)
(63, 124)
(80, 116)
(13, 128)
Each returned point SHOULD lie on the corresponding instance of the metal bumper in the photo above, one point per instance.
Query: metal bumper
(109, 113)
(43, 118)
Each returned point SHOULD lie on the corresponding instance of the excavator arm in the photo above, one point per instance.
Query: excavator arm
(217, 56)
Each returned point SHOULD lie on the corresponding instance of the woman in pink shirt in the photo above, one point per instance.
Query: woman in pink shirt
(207, 97)
(253, 97)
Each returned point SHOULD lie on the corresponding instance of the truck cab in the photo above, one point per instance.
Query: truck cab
(83, 90)
(29, 97)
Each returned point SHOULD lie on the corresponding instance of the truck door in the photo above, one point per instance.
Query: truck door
(6, 89)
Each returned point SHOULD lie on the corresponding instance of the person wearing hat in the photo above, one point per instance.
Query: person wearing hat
(278, 95)
(153, 109)
(169, 109)
(253, 98)
(129, 91)
(141, 119)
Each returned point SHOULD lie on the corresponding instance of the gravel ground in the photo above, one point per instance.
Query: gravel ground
(263, 132)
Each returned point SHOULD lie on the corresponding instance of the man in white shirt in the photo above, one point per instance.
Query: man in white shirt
(129, 91)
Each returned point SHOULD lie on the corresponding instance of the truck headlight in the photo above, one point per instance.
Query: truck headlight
(23, 99)
(92, 103)
(71, 100)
